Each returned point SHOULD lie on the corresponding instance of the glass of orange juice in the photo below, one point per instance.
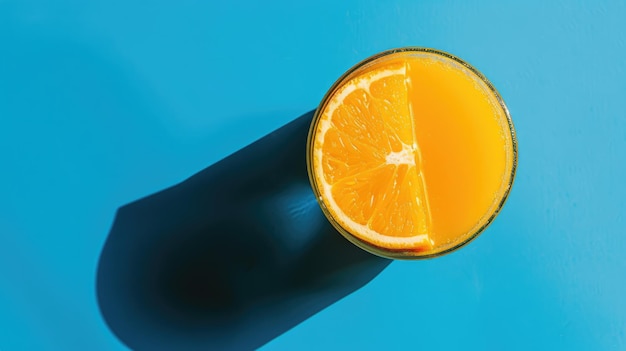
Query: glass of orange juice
(411, 153)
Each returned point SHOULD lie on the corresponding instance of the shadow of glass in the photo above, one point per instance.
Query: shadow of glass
(230, 258)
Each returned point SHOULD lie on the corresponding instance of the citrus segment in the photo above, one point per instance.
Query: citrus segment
(358, 196)
(403, 208)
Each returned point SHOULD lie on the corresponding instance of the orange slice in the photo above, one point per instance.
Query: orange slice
(366, 162)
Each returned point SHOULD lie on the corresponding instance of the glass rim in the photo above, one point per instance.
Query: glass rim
(503, 194)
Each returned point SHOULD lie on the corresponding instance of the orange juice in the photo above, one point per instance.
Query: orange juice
(411, 153)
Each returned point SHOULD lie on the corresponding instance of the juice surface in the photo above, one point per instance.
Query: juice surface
(415, 154)
(465, 143)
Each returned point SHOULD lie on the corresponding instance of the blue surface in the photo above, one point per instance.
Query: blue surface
(103, 102)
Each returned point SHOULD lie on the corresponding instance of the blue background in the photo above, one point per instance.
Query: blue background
(103, 102)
